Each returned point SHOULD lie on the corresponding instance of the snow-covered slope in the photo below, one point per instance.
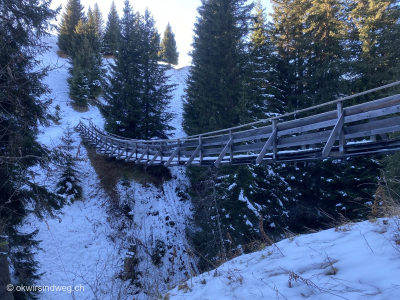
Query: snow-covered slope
(85, 247)
(355, 261)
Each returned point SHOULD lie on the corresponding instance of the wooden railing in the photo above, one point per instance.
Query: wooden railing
(344, 131)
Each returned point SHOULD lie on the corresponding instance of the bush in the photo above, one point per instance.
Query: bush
(158, 252)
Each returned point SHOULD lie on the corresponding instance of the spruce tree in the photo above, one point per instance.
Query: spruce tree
(137, 92)
(156, 92)
(375, 28)
(74, 11)
(169, 52)
(312, 42)
(327, 55)
(86, 63)
(261, 102)
(69, 185)
(23, 106)
(215, 95)
(289, 65)
(97, 22)
(112, 35)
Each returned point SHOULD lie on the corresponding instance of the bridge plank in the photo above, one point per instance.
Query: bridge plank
(373, 128)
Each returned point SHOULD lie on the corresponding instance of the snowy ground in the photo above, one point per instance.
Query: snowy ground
(83, 247)
(355, 261)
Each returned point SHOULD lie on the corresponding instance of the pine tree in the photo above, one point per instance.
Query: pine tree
(261, 102)
(86, 63)
(96, 21)
(156, 93)
(69, 185)
(112, 35)
(74, 12)
(326, 25)
(288, 68)
(215, 95)
(375, 27)
(312, 42)
(123, 82)
(169, 52)
(23, 107)
(137, 92)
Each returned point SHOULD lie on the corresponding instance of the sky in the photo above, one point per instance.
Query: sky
(181, 14)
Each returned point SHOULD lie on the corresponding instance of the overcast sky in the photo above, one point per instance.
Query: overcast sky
(181, 14)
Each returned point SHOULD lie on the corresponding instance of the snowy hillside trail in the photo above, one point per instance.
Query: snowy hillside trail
(356, 261)
(84, 247)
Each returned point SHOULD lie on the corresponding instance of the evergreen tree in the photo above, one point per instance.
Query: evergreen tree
(96, 21)
(137, 92)
(73, 13)
(287, 32)
(86, 63)
(112, 35)
(325, 24)
(23, 107)
(156, 93)
(69, 185)
(375, 27)
(312, 42)
(215, 95)
(123, 82)
(169, 52)
(261, 102)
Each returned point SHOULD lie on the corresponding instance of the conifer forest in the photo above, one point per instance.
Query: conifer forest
(71, 217)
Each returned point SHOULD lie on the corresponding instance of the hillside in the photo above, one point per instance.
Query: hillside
(352, 261)
(88, 243)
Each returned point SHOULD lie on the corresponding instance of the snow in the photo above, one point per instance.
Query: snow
(243, 198)
(179, 78)
(85, 245)
(355, 261)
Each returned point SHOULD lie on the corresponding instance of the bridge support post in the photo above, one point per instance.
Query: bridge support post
(337, 132)
(274, 142)
(179, 151)
(342, 140)
(201, 149)
(271, 142)
(231, 145)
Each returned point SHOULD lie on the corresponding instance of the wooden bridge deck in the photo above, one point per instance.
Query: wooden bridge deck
(344, 131)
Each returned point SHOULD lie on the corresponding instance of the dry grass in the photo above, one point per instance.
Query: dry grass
(62, 54)
(108, 56)
(387, 205)
(110, 171)
(79, 108)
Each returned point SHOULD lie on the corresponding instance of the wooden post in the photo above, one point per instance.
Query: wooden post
(179, 151)
(342, 141)
(201, 148)
(275, 144)
(231, 146)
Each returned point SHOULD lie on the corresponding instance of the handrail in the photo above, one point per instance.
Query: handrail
(302, 110)
(316, 134)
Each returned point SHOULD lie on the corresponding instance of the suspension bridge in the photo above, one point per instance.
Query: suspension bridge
(365, 129)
